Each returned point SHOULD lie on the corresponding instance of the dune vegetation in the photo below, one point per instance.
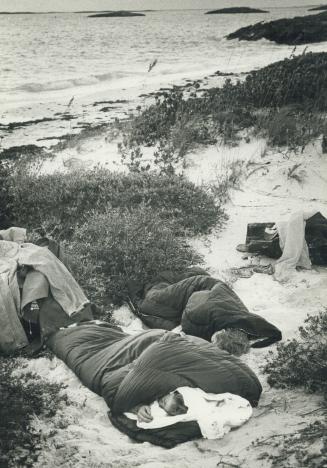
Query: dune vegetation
(278, 102)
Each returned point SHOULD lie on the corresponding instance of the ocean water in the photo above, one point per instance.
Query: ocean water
(47, 59)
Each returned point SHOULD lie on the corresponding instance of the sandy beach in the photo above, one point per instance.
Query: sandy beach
(89, 439)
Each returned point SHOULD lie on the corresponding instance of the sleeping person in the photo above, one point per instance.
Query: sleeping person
(172, 404)
(216, 414)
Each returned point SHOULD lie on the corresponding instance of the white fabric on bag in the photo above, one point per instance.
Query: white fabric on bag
(216, 414)
(292, 242)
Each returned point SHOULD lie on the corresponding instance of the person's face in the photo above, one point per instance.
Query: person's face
(172, 404)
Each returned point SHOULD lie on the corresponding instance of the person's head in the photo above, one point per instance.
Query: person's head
(173, 403)
(233, 341)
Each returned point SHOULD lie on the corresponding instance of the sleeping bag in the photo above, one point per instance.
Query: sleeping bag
(131, 370)
(203, 305)
(220, 308)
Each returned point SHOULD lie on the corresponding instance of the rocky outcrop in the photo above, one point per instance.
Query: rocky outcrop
(319, 8)
(116, 14)
(291, 31)
(235, 10)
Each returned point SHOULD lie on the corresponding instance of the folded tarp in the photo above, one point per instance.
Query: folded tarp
(131, 370)
(203, 305)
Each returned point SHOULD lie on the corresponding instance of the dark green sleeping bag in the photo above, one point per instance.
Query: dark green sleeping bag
(99, 354)
(174, 361)
(164, 303)
(203, 305)
(209, 311)
(130, 370)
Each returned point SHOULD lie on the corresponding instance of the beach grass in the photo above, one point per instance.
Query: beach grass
(284, 102)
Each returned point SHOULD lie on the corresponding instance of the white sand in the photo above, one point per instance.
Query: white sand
(268, 194)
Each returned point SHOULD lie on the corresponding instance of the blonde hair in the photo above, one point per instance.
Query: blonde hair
(233, 341)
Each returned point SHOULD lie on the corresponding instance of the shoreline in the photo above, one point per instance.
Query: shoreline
(25, 107)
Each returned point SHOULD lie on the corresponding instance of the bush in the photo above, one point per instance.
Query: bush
(200, 118)
(302, 362)
(63, 201)
(121, 245)
(22, 398)
(156, 121)
(298, 80)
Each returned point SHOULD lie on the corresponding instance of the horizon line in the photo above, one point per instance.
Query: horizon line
(144, 10)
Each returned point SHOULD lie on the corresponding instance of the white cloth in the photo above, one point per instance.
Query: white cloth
(216, 414)
(8, 268)
(292, 242)
(14, 234)
(12, 335)
(63, 286)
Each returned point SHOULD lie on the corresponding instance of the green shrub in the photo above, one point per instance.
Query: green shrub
(302, 362)
(121, 245)
(22, 398)
(63, 201)
(156, 121)
(300, 80)
(200, 118)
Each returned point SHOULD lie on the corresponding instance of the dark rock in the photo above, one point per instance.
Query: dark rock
(12, 125)
(16, 152)
(118, 101)
(50, 138)
(107, 109)
(219, 73)
(116, 14)
(66, 116)
(291, 31)
(235, 10)
(319, 8)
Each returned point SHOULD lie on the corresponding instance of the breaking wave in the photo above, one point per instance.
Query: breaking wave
(71, 83)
